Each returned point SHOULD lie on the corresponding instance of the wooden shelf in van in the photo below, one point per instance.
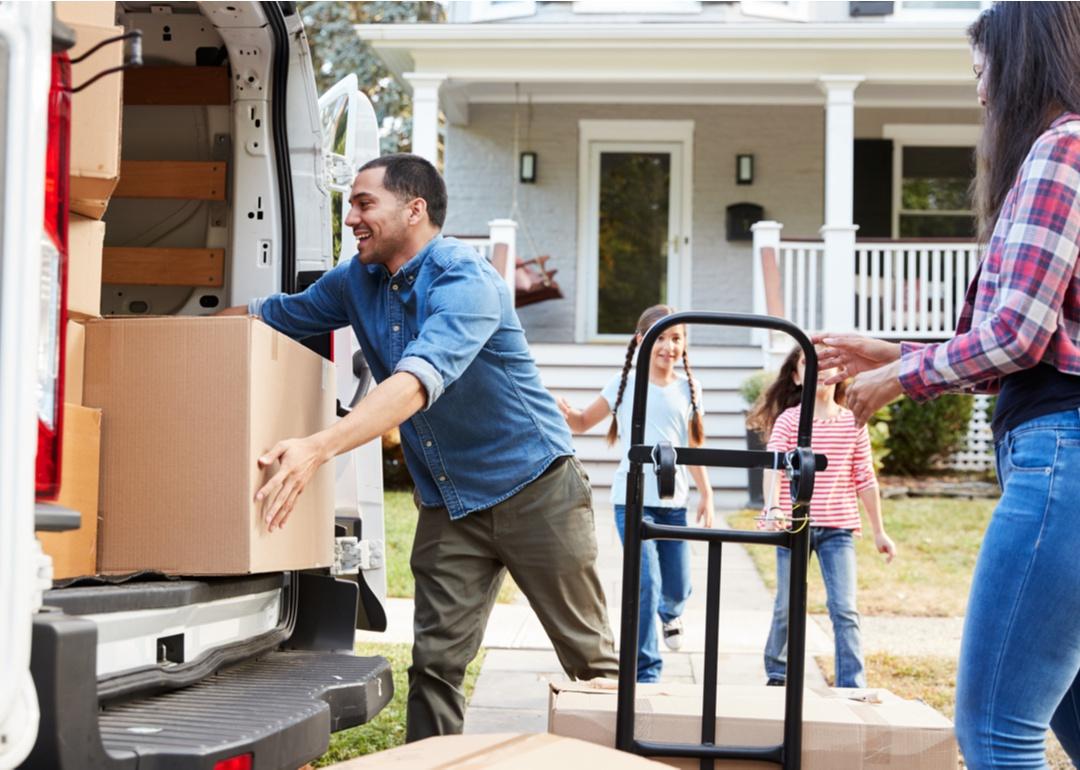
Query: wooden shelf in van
(176, 86)
(183, 179)
(146, 266)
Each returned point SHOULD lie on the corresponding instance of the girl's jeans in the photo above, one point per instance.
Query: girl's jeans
(1020, 653)
(835, 549)
(665, 584)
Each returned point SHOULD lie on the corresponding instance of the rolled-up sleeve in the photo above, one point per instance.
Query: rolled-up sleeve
(318, 309)
(464, 313)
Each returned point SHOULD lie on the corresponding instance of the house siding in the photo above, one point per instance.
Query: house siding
(786, 142)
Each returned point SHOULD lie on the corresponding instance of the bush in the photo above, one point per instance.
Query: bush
(754, 385)
(878, 428)
(922, 435)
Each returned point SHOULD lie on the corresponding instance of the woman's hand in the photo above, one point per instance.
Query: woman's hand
(871, 390)
(852, 354)
(885, 545)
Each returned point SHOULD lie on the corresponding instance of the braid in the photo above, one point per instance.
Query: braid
(697, 425)
(613, 429)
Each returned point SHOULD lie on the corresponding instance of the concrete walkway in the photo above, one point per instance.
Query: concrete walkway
(512, 692)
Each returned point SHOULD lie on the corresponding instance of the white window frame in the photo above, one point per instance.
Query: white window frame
(902, 12)
(496, 10)
(784, 10)
(922, 135)
(649, 7)
(642, 133)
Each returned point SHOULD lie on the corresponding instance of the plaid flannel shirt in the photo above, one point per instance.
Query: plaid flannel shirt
(1023, 306)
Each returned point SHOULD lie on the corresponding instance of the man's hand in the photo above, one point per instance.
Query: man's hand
(299, 458)
(852, 354)
(872, 390)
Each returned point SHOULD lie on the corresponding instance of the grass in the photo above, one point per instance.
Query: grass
(931, 679)
(387, 729)
(937, 541)
(400, 516)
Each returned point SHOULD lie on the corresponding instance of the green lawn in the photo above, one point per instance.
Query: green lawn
(937, 540)
(400, 517)
(386, 730)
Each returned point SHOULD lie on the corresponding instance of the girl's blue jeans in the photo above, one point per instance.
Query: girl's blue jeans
(665, 585)
(1020, 654)
(835, 549)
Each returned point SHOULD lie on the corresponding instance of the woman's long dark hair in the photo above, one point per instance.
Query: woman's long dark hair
(1032, 74)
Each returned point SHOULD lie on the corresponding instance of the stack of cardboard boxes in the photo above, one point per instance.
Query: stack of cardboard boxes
(166, 417)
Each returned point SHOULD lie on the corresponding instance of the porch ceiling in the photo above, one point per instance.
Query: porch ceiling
(747, 63)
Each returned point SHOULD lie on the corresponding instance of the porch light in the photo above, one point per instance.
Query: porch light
(744, 169)
(527, 167)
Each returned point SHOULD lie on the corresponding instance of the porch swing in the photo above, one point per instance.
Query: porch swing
(533, 281)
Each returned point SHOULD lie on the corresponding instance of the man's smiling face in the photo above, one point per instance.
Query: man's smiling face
(378, 218)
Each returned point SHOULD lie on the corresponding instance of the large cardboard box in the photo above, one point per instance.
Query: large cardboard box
(500, 752)
(98, 14)
(95, 121)
(191, 404)
(74, 553)
(842, 729)
(74, 356)
(86, 237)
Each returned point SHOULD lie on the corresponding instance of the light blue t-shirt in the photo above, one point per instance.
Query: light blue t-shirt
(667, 418)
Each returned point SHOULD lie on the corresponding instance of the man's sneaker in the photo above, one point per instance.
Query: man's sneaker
(673, 634)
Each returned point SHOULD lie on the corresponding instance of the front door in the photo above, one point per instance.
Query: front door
(634, 233)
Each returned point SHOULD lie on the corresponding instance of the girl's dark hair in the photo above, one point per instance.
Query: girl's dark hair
(645, 322)
(783, 394)
(1032, 53)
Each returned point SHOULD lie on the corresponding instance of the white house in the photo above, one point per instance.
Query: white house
(847, 128)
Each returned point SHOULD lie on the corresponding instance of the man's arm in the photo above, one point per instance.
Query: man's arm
(395, 400)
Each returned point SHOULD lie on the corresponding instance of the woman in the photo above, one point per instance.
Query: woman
(1018, 335)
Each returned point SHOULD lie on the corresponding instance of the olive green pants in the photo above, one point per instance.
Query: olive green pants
(544, 535)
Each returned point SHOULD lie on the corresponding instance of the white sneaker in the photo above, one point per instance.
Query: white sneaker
(673, 634)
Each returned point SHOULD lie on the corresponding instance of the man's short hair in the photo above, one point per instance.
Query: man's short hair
(409, 176)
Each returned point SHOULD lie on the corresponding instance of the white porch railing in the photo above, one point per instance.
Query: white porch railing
(500, 231)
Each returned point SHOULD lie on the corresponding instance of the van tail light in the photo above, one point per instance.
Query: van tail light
(53, 288)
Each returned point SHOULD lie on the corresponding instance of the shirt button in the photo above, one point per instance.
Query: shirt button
(427, 443)
(396, 327)
(394, 286)
(442, 478)
(409, 278)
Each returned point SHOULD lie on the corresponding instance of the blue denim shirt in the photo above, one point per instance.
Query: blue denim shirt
(489, 426)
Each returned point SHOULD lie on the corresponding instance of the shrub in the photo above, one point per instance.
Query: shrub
(922, 435)
(878, 428)
(754, 385)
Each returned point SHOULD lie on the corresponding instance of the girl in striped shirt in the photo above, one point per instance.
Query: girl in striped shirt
(834, 509)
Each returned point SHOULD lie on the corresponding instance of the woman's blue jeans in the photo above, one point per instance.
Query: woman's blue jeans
(835, 549)
(1020, 654)
(665, 584)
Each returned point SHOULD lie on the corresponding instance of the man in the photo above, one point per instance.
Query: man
(497, 483)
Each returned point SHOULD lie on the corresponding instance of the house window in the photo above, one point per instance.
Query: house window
(934, 192)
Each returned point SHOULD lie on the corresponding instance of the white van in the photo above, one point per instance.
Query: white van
(219, 673)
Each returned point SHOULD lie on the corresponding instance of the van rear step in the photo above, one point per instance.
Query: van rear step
(280, 708)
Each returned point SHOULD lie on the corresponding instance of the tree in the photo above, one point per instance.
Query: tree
(336, 50)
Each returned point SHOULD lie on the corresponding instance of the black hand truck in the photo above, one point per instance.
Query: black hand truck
(800, 465)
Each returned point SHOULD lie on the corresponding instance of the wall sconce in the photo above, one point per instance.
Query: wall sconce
(527, 167)
(744, 169)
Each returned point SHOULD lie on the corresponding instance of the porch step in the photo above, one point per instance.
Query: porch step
(578, 372)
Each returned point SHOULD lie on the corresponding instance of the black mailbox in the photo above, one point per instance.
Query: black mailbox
(739, 218)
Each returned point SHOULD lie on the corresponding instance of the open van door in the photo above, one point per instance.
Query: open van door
(350, 139)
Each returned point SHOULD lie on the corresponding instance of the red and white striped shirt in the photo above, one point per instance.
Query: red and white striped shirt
(851, 467)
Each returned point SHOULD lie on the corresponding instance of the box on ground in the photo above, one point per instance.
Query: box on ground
(74, 553)
(86, 238)
(192, 403)
(74, 355)
(499, 752)
(98, 14)
(842, 730)
(95, 121)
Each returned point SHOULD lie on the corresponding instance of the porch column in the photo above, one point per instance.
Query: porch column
(425, 99)
(838, 232)
(505, 231)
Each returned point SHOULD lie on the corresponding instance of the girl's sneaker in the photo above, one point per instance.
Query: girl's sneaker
(673, 634)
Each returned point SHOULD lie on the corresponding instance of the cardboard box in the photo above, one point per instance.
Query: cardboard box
(86, 238)
(74, 553)
(842, 729)
(500, 752)
(74, 356)
(95, 121)
(191, 404)
(94, 13)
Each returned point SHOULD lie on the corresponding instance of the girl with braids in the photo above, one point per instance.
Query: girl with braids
(674, 413)
(834, 508)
